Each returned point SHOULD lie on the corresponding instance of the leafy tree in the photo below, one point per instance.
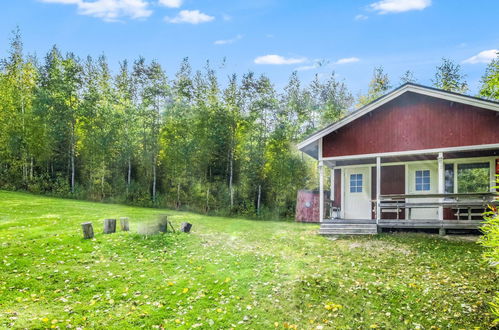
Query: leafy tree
(73, 128)
(379, 85)
(408, 77)
(490, 80)
(449, 77)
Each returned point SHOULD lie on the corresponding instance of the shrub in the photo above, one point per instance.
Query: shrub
(490, 240)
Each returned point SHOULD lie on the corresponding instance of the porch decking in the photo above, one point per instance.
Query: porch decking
(370, 227)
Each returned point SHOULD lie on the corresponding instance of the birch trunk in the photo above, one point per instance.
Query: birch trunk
(207, 200)
(178, 195)
(154, 180)
(72, 159)
(129, 178)
(72, 169)
(102, 180)
(231, 188)
(31, 169)
(258, 200)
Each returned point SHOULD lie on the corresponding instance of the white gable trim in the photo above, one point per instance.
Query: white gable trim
(441, 94)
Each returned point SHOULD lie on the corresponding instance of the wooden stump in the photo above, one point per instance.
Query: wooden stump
(185, 227)
(124, 224)
(163, 224)
(88, 230)
(109, 226)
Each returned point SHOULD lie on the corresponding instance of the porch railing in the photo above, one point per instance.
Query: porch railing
(466, 205)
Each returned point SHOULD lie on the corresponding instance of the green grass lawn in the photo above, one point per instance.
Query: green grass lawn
(228, 273)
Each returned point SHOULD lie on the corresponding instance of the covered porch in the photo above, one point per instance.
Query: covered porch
(447, 189)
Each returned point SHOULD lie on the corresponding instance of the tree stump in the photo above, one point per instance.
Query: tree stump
(109, 226)
(163, 224)
(185, 227)
(124, 224)
(88, 230)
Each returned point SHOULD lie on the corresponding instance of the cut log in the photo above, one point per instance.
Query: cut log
(124, 224)
(109, 226)
(163, 224)
(88, 230)
(185, 227)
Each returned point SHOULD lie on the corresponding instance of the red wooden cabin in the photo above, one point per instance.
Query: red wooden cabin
(416, 157)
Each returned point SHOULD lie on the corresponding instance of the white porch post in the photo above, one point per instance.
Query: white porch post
(331, 197)
(321, 183)
(321, 191)
(441, 183)
(378, 189)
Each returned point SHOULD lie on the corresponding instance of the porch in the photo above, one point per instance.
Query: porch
(426, 190)
(372, 227)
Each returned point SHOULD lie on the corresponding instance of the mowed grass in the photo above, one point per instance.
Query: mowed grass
(228, 273)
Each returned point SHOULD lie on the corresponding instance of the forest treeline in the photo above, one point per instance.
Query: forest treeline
(71, 127)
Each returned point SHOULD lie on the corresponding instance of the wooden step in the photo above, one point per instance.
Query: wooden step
(348, 225)
(348, 229)
(348, 232)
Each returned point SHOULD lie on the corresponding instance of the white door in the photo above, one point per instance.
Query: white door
(422, 179)
(357, 193)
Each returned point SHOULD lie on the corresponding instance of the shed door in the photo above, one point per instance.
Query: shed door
(357, 193)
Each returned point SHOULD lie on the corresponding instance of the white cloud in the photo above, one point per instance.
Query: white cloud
(307, 67)
(483, 57)
(190, 16)
(399, 6)
(347, 60)
(228, 41)
(360, 17)
(171, 3)
(109, 10)
(278, 60)
(317, 64)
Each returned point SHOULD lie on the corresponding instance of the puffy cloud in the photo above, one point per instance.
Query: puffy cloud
(278, 60)
(228, 41)
(347, 60)
(190, 16)
(109, 10)
(483, 57)
(171, 3)
(399, 6)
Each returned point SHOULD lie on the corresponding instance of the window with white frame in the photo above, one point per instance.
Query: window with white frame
(355, 183)
(473, 178)
(423, 180)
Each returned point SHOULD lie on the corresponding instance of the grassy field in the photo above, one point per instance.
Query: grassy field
(228, 273)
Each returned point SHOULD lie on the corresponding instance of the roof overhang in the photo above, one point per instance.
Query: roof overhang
(311, 142)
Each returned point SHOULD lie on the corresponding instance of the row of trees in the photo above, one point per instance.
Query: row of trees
(70, 127)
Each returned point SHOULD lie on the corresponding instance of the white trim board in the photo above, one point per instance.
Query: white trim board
(417, 152)
(409, 87)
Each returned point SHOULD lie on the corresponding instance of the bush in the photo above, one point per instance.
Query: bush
(490, 240)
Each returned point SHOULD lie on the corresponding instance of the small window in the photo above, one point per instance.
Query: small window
(423, 180)
(355, 183)
(449, 178)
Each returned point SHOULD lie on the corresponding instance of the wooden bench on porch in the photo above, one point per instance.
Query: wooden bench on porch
(464, 204)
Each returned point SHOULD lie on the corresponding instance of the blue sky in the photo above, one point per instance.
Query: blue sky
(273, 37)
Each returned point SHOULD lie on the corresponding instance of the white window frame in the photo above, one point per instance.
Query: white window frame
(358, 188)
(423, 183)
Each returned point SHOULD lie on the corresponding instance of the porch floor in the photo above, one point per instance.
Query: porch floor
(368, 226)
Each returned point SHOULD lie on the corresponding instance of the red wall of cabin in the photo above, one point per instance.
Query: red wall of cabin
(392, 182)
(414, 122)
